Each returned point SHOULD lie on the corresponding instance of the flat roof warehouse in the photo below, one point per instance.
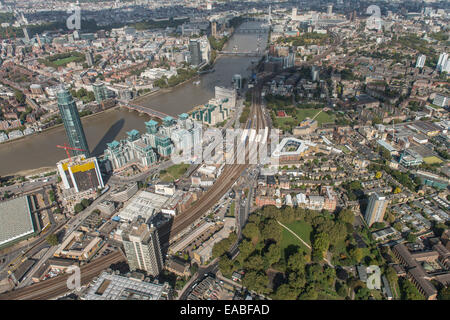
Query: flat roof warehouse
(16, 221)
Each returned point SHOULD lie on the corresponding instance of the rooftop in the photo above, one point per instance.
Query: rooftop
(15, 219)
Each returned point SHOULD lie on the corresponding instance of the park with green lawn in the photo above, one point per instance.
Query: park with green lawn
(173, 173)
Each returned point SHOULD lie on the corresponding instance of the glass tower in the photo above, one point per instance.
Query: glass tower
(72, 123)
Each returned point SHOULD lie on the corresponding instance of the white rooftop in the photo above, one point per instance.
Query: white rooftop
(15, 220)
(144, 204)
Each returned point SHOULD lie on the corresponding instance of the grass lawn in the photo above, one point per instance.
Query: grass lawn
(344, 149)
(232, 209)
(65, 61)
(174, 172)
(287, 123)
(302, 229)
(432, 160)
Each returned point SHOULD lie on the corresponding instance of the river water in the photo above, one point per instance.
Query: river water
(38, 151)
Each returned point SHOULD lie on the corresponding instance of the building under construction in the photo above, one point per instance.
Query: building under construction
(80, 174)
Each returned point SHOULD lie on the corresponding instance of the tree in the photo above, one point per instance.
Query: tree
(397, 190)
(444, 293)
(85, 203)
(310, 293)
(251, 231)
(226, 265)
(285, 292)
(52, 240)
(255, 262)
(256, 281)
(362, 294)
(346, 216)
(20, 97)
(246, 248)
(356, 254)
(341, 289)
(378, 175)
(272, 231)
(194, 268)
(297, 261)
(409, 291)
(320, 244)
(78, 208)
(273, 254)
(411, 238)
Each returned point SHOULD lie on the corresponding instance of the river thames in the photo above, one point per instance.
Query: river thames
(33, 153)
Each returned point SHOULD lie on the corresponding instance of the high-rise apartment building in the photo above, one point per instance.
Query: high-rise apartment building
(443, 64)
(375, 209)
(142, 248)
(89, 58)
(196, 54)
(101, 92)
(421, 61)
(72, 123)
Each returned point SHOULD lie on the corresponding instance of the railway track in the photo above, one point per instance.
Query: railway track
(55, 287)
(228, 177)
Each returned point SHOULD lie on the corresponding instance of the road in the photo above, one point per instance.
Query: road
(29, 186)
(212, 268)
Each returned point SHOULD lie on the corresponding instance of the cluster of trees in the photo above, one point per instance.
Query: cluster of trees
(183, 75)
(63, 58)
(402, 177)
(276, 102)
(308, 38)
(354, 190)
(302, 273)
(83, 95)
(52, 240)
(82, 205)
(217, 44)
(171, 23)
(244, 115)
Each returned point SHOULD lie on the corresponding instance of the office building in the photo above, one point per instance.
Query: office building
(89, 58)
(72, 123)
(80, 173)
(115, 287)
(442, 62)
(142, 248)
(315, 73)
(196, 54)
(375, 209)
(101, 93)
(330, 9)
(421, 61)
(143, 205)
(440, 101)
(79, 246)
(226, 96)
(237, 81)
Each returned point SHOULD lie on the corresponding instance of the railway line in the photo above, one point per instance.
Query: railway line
(228, 177)
(55, 287)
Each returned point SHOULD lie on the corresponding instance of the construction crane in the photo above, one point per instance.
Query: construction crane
(67, 148)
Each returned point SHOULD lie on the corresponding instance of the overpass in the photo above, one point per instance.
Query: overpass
(241, 54)
(146, 110)
(251, 30)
